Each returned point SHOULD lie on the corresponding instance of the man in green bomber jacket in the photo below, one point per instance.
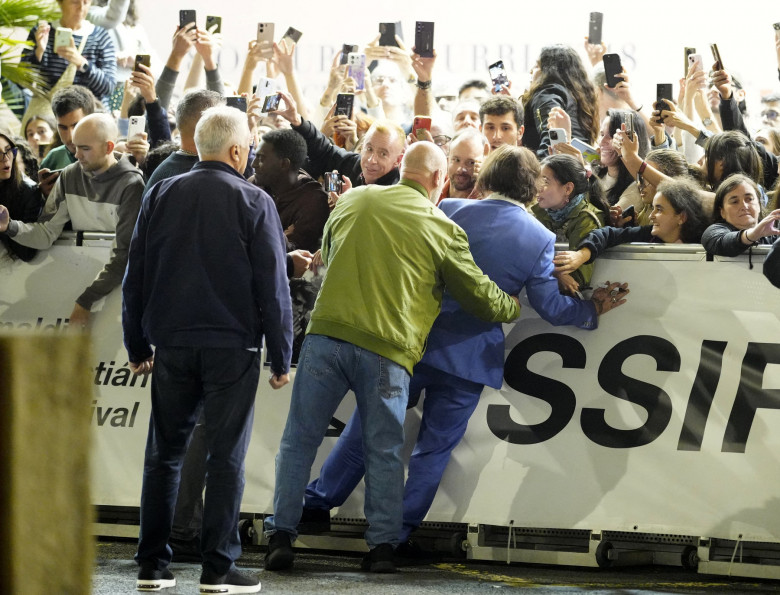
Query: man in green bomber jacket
(390, 252)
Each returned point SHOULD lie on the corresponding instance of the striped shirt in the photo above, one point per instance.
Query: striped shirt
(100, 75)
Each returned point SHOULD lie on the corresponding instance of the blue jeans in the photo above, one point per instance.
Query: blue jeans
(327, 369)
(448, 405)
(223, 382)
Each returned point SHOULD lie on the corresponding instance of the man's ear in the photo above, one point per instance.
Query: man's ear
(398, 161)
(520, 135)
(110, 145)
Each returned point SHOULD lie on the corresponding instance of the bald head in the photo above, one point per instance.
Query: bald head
(95, 137)
(102, 126)
(425, 164)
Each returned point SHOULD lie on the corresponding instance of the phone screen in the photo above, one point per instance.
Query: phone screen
(498, 74)
(271, 103)
(293, 34)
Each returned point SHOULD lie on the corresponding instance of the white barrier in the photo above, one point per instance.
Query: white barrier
(664, 420)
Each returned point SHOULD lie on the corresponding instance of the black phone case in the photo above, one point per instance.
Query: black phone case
(344, 104)
(612, 67)
(423, 39)
(387, 33)
(186, 16)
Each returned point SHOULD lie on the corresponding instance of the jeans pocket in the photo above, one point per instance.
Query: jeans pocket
(319, 355)
(393, 379)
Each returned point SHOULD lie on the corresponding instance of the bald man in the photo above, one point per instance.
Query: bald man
(100, 192)
(467, 151)
(390, 253)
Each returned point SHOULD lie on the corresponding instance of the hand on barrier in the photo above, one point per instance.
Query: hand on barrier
(610, 296)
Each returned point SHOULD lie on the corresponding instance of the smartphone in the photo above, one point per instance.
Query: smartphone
(695, 61)
(630, 125)
(237, 102)
(331, 182)
(688, 52)
(612, 68)
(136, 127)
(557, 136)
(292, 34)
(629, 211)
(270, 103)
(663, 92)
(266, 86)
(590, 154)
(594, 27)
(498, 75)
(716, 56)
(421, 123)
(387, 33)
(423, 39)
(62, 37)
(357, 69)
(186, 17)
(144, 59)
(214, 23)
(265, 32)
(346, 50)
(344, 104)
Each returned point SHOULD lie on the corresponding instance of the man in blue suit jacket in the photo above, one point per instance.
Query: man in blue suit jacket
(464, 354)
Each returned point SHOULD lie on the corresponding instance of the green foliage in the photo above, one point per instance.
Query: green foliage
(24, 15)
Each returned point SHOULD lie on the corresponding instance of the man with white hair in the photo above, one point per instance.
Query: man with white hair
(206, 278)
(100, 192)
(367, 332)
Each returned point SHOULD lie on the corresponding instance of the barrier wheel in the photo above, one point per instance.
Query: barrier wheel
(690, 558)
(458, 545)
(602, 554)
(246, 531)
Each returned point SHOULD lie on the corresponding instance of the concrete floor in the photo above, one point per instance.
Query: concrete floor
(327, 573)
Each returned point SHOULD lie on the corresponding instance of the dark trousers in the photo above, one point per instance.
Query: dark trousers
(224, 383)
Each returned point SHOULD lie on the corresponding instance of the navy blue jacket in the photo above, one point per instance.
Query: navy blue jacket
(515, 251)
(207, 268)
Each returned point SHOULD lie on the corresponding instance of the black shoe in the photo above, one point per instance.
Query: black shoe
(410, 553)
(379, 559)
(234, 581)
(186, 550)
(314, 520)
(151, 579)
(280, 554)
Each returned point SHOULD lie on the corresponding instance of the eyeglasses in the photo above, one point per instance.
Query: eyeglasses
(381, 79)
(770, 114)
(10, 153)
(441, 139)
(640, 181)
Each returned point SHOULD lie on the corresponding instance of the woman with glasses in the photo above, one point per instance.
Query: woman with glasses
(738, 224)
(19, 196)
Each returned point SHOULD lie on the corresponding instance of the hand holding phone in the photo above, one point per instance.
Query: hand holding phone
(629, 212)
(423, 39)
(271, 103)
(213, 24)
(594, 27)
(62, 37)
(144, 59)
(419, 124)
(265, 32)
(237, 101)
(557, 136)
(612, 68)
(498, 75)
(716, 57)
(186, 17)
(136, 127)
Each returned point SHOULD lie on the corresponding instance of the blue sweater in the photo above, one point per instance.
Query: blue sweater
(207, 268)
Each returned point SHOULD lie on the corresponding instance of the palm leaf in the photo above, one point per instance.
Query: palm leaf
(26, 13)
(16, 15)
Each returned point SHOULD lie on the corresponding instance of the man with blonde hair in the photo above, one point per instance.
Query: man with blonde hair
(376, 163)
(100, 192)
(367, 332)
(206, 279)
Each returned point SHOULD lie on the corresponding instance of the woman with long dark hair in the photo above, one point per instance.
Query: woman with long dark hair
(18, 194)
(559, 80)
(570, 204)
(617, 180)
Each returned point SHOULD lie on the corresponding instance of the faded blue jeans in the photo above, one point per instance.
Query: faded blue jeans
(327, 369)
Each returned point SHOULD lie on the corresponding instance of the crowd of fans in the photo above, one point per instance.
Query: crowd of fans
(615, 167)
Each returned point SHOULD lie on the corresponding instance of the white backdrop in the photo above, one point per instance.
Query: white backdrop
(470, 35)
(685, 330)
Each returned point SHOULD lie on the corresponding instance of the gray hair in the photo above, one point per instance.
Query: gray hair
(192, 105)
(219, 128)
